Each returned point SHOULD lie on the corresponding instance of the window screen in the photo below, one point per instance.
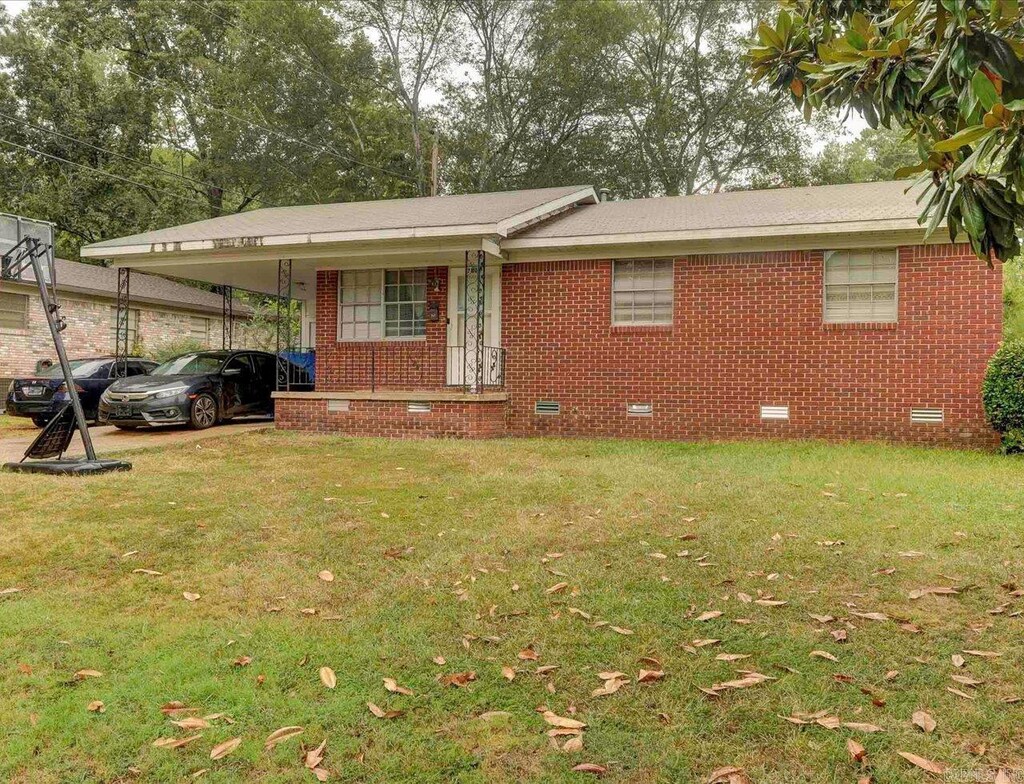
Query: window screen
(199, 330)
(13, 311)
(642, 291)
(860, 286)
(405, 303)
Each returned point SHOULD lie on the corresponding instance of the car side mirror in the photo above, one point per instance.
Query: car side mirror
(233, 372)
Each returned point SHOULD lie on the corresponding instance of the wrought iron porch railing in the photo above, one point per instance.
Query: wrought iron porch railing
(413, 365)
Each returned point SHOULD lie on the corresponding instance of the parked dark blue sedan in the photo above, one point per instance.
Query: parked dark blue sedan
(41, 397)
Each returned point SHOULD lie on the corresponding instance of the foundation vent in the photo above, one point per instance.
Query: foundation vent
(549, 407)
(338, 406)
(419, 408)
(775, 412)
(926, 416)
(640, 409)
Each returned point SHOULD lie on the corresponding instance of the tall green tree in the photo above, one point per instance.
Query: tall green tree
(949, 71)
(211, 107)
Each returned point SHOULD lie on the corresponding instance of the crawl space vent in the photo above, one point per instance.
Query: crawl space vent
(338, 406)
(926, 416)
(419, 408)
(774, 412)
(550, 407)
(640, 409)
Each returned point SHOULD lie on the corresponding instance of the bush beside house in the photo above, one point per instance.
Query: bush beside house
(1003, 393)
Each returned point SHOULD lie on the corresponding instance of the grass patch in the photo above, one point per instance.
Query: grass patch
(428, 541)
(15, 426)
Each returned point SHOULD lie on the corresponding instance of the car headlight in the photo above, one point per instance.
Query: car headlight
(159, 394)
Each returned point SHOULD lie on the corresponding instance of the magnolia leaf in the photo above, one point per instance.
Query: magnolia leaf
(590, 767)
(223, 749)
(326, 576)
(573, 745)
(328, 678)
(964, 137)
(392, 685)
(922, 763)
(560, 721)
(924, 721)
(281, 735)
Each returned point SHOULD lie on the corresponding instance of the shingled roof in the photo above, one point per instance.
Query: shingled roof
(75, 276)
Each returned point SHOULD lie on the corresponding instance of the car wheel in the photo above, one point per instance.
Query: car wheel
(39, 421)
(204, 412)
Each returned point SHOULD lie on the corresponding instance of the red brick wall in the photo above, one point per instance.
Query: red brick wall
(448, 419)
(747, 331)
(395, 364)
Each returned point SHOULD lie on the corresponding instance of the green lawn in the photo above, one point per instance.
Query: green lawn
(455, 550)
(12, 424)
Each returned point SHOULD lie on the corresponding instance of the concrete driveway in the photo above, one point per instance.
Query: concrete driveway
(108, 439)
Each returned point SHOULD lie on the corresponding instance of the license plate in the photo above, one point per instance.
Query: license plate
(32, 391)
(122, 412)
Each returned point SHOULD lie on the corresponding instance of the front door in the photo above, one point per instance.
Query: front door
(457, 324)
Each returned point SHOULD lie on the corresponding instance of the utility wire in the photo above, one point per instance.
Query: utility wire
(102, 173)
(156, 168)
(317, 148)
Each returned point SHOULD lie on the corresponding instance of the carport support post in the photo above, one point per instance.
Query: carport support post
(121, 347)
(227, 317)
(284, 314)
(473, 324)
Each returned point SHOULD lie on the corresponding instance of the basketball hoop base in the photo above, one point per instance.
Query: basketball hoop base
(69, 467)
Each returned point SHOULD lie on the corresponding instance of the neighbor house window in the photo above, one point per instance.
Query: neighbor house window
(642, 291)
(860, 286)
(133, 326)
(13, 311)
(382, 303)
(199, 330)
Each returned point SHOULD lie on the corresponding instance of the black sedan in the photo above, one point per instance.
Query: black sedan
(198, 389)
(41, 397)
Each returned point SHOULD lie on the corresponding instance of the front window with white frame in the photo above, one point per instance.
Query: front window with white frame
(642, 291)
(375, 304)
(861, 286)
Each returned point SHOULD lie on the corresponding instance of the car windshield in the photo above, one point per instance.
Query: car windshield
(80, 368)
(189, 365)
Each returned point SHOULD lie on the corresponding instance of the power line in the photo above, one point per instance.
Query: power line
(317, 148)
(158, 169)
(102, 173)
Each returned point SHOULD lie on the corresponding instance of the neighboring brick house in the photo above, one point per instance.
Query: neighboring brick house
(810, 312)
(163, 312)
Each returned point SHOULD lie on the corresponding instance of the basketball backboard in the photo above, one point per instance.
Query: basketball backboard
(14, 228)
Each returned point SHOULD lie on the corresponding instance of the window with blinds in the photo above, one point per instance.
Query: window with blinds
(13, 311)
(861, 286)
(382, 303)
(133, 327)
(199, 330)
(642, 291)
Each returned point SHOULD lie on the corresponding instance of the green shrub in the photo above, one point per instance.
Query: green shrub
(174, 348)
(1013, 299)
(1003, 394)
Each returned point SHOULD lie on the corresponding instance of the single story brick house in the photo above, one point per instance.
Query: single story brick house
(163, 312)
(815, 312)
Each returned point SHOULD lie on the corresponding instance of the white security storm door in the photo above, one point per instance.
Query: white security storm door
(457, 323)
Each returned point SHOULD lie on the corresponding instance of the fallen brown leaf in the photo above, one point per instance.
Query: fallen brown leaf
(459, 679)
(923, 720)
(191, 597)
(326, 576)
(380, 713)
(96, 706)
(392, 686)
(221, 750)
(590, 767)
(563, 722)
(281, 735)
(857, 752)
(328, 678)
(922, 763)
(175, 743)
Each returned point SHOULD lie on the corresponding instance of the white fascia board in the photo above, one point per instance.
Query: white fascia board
(290, 240)
(723, 246)
(692, 235)
(520, 220)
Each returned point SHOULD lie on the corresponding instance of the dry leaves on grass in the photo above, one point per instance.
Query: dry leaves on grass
(96, 706)
(923, 720)
(823, 655)
(175, 743)
(313, 760)
(380, 713)
(192, 723)
(222, 750)
(392, 686)
(590, 767)
(81, 675)
(857, 752)
(935, 591)
(191, 597)
(281, 735)
(709, 615)
(562, 722)
(458, 679)
(730, 774)
(924, 764)
(328, 678)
